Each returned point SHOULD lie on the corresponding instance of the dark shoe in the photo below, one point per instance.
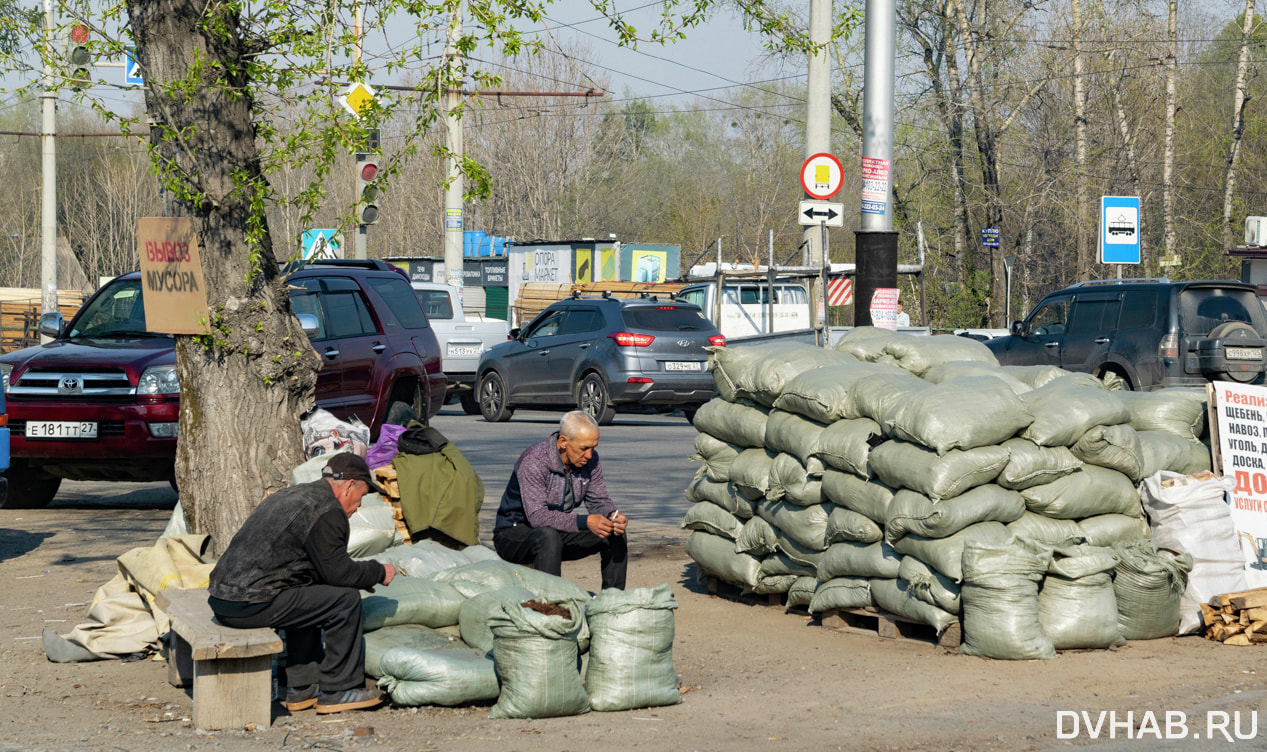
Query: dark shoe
(301, 698)
(349, 699)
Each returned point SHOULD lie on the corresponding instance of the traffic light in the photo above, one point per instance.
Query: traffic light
(367, 189)
(75, 55)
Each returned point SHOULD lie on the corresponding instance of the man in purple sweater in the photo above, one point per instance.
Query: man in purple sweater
(537, 523)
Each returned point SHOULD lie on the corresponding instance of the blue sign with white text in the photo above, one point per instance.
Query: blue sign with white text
(1119, 230)
(990, 237)
(132, 69)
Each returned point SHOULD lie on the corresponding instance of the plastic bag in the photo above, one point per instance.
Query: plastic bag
(868, 498)
(790, 480)
(1165, 451)
(410, 600)
(1191, 516)
(792, 434)
(758, 538)
(961, 414)
(325, 434)
(900, 464)
(425, 558)
(750, 472)
(946, 554)
(1169, 411)
(875, 560)
(1113, 447)
(1000, 602)
(1048, 531)
(717, 556)
(847, 525)
(1031, 465)
(822, 394)
(805, 525)
(929, 585)
(965, 369)
(1112, 529)
(631, 649)
(846, 445)
(801, 594)
(384, 450)
(472, 579)
(536, 657)
(712, 519)
(910, 512)
(897, 597)
(1076, 605)
(742, 425)
(841, 592)
(1149, 585)
(918, 354)
(723, 495)
(416, 636)
(716, 456)
(1063, 412)
(448, 677)
(372, 528)
(473, 616)
(1086, 492)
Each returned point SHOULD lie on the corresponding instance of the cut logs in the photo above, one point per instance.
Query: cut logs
(1237, 618)
(386, 476)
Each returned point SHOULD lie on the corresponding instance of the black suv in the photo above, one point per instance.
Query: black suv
(599, 354)
(1150, 333)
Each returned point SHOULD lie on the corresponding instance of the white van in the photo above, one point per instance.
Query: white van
(745, 309)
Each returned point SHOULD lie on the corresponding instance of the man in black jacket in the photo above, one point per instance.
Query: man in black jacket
(288, 567)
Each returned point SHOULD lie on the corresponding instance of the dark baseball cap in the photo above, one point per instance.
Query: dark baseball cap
(349, 466)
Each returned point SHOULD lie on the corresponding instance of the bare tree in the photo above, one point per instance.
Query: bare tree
(1240, 98)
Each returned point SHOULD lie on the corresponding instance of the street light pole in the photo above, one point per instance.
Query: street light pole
(48, 196)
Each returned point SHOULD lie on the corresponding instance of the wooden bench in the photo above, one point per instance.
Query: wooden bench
(231, 670)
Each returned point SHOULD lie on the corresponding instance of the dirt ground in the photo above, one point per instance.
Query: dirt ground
(754, 677)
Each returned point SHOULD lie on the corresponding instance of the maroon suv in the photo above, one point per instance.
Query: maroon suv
(101, 401)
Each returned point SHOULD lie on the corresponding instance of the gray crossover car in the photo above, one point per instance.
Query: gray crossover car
(602, 354)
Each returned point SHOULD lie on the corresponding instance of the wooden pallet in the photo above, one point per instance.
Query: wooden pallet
(386, 477)
(535, 297)
(884, 624)
(732, 592)
(20, 320)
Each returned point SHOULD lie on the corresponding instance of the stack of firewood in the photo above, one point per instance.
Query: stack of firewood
(1237, 618)
(386, 476)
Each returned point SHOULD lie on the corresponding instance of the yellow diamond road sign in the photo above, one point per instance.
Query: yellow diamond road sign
(357, 98)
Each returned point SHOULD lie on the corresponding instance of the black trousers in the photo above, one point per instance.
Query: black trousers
(547, 549)
(337, 662)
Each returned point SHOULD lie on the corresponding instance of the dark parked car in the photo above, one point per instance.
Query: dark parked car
(602, 354)
(1150, 333)
(101, 401)
(4, 449)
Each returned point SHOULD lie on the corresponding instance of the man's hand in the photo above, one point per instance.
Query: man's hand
(619, 523)
(391, 573)
(599, 525)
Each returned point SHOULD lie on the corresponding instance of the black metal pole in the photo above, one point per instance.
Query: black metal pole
(876, 254)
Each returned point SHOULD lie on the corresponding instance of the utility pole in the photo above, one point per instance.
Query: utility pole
(875, 241)
(818, 122)
(361, 248)
(48, 197)
(453, 224)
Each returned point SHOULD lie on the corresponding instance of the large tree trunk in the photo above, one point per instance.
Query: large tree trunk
(244, 386)
(1132, 162)
(1239, 99)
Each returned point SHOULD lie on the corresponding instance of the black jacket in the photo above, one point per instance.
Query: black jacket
(296, 537)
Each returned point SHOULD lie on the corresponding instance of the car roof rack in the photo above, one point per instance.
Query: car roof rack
(1127, 280)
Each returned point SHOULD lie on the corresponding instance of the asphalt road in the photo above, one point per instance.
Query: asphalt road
(644, 462)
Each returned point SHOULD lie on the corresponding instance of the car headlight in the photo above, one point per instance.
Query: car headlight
(158, 380)
(5, 370)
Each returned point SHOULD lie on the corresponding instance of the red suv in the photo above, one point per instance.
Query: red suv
(101, 402)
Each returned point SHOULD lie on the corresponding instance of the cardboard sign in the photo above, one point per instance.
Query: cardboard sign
(884, 308)
(172, 288)
(1239, 427)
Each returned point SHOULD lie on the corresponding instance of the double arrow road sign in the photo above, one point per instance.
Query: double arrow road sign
(821, 213)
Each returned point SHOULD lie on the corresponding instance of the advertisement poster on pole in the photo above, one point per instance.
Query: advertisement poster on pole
(884, 308)
(875, 185)
(1239, 424)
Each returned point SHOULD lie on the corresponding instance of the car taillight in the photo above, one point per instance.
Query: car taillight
(1169, 346)
(640, 380)
(4, 420)
(628, 339)
(717, 340)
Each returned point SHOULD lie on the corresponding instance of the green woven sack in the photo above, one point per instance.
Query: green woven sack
(536, 657)
(631, 649)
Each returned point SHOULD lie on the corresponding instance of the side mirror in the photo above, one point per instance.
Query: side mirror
(308, 322)
(1015, 328)
(51, 324)
(513, 334)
